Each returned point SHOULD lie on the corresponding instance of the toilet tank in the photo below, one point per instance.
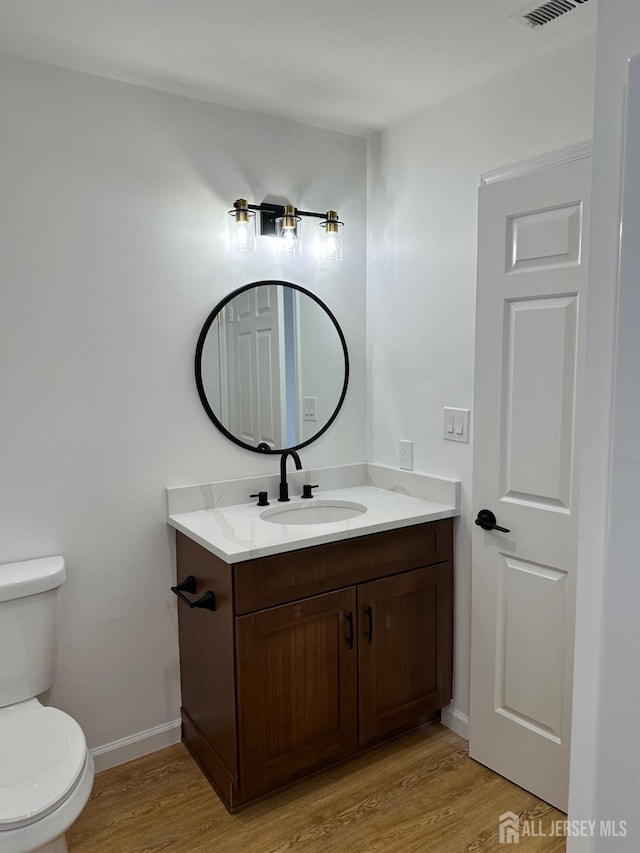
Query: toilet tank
(29, 602)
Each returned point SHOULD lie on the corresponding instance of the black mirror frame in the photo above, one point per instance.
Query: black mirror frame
(198, 368)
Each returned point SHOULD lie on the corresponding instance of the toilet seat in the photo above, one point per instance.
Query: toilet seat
(43, 753)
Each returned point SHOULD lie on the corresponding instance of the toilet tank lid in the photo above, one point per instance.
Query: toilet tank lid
(28, 577)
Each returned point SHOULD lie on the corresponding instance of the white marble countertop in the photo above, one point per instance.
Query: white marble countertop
(236, 533)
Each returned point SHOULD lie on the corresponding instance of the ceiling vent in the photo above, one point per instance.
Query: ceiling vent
(539, 15)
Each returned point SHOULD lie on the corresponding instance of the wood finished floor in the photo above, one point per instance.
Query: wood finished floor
(420, 793)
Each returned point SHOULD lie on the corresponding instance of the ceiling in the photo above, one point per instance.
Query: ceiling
(350, 65)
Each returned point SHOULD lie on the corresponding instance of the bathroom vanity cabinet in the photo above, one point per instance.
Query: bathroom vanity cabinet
(313, 655)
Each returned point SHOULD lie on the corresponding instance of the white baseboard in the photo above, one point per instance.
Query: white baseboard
(134, 746)
(151, 740)
(455, 720)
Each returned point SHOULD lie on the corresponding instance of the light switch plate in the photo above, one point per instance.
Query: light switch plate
(309, 408)
(456, 424)
(405, 454)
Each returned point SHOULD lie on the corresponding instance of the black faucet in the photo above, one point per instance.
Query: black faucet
(284, 488)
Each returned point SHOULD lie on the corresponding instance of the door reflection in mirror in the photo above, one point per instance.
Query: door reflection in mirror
(272, 366)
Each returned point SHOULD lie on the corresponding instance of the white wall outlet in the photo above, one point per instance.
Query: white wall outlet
(309, 408)
(405, 451)
(456, 424)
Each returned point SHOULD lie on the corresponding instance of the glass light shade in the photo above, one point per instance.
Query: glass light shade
(242, 228)
(331, 247)
(288, 234)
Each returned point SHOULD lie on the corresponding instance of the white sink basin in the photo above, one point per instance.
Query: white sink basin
(313, 511)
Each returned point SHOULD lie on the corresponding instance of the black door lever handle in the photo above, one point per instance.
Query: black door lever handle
(487, 521)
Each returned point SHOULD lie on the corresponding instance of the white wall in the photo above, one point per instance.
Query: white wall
(424, 175)
(605, 754)
(114, 231)
(320, 365)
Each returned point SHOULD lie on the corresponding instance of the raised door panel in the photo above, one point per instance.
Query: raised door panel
(404, 649)
(297, 681)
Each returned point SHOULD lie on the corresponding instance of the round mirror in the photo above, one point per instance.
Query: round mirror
(272, 366)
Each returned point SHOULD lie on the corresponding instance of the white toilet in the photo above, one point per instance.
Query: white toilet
(46, 770)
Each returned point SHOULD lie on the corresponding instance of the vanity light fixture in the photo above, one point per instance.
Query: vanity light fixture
(288, 232)
(242, 228)
(330, 248)
(283, 221)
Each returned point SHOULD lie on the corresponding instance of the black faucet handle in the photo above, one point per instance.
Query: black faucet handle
(306, 490)
(262, 498)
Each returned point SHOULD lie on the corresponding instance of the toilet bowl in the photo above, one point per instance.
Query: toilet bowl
(46, 770)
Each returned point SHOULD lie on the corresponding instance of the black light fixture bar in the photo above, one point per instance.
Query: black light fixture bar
(270, 212)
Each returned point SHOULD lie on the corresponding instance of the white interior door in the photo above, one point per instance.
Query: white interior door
(528, 378)
(256, 377)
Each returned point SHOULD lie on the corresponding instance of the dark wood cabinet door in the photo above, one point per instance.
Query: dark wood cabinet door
(405, 640)
(297, 689)
(207, 664)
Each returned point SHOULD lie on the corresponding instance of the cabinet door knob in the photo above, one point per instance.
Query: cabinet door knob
(369, 632)
(206, 601)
